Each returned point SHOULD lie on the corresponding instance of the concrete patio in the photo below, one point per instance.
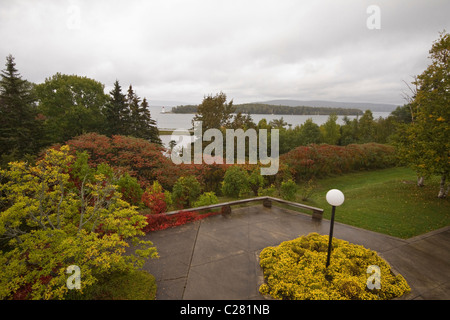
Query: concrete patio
(217, 258)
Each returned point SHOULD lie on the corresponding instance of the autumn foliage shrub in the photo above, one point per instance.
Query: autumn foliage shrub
(141, 159)
(155, 202)
(61, 212)
(316, 161)
(156, 199)
(210, 176)
(296, 270)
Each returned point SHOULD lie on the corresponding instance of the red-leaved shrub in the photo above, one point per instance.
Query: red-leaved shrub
(155, 199)
(316, 161)
(140, 158)
(162, 221)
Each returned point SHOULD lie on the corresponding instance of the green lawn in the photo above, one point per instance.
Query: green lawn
(386, 201)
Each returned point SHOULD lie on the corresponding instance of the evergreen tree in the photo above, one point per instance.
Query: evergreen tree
(147, 128)
(133, 102)
(19, 129)
(139, 122)
(116, 112)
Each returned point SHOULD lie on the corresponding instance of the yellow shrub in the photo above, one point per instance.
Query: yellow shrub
(296, 270)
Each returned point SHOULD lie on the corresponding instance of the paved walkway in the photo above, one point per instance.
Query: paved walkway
(217, 258)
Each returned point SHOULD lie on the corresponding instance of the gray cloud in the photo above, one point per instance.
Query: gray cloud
(251, 50)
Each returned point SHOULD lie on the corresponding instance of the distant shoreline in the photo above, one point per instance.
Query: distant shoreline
(166, 132)
(267, 109)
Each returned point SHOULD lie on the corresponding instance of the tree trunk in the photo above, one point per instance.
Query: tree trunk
(420, 181)
(442, 191)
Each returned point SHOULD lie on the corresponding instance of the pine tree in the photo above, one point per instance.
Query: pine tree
(18, 125)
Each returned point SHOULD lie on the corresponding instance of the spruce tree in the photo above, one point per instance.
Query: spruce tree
(116, 112)
(19, 129)
(147, 126)
(133, 102)
(141, 125)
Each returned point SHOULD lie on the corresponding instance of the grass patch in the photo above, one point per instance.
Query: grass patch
(386, 201)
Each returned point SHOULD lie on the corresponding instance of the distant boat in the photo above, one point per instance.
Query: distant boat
(163, 110)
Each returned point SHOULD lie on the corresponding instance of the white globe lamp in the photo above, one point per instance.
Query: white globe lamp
(335, 198)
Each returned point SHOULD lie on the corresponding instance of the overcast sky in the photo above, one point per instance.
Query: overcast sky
(251, 50)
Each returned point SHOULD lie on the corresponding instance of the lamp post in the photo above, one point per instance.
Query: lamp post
(335, 198)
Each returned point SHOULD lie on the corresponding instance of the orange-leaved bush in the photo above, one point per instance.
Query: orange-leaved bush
(140, 158)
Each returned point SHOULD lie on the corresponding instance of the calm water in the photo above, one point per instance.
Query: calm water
(172, 121)
(184, 121)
